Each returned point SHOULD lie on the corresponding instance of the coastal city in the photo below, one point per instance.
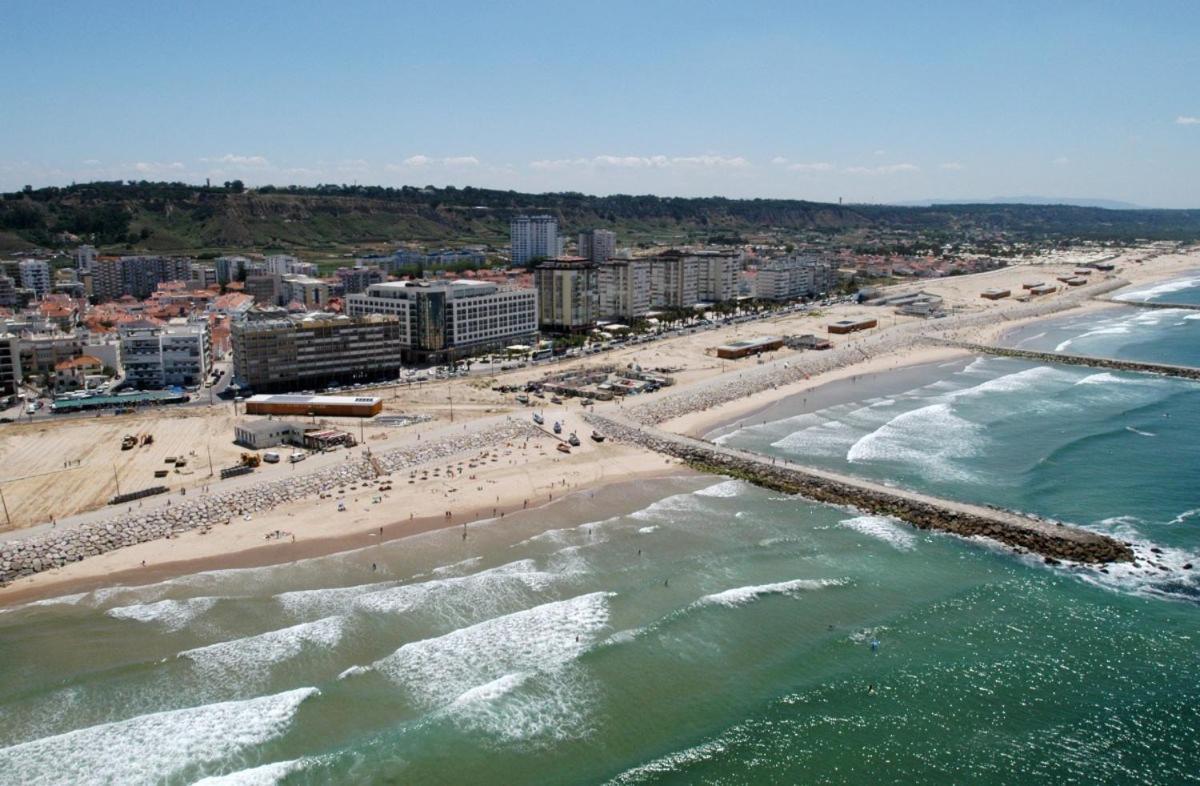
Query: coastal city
(752, 393)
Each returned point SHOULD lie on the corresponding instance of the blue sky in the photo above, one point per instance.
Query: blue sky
(870, 101)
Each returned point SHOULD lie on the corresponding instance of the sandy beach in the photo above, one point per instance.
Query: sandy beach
(512, 477)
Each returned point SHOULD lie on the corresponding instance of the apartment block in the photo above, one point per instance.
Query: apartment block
(794, 277)
(138, 276)
(178, 354)
(280, 354)
(533, 237)
(35, 275)
(624, 288)
(598, 245)
(567, 294)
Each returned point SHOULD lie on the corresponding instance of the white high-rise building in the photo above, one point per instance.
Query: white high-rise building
(85, 257)
(624, 286)
(598, 245)
(794, 277)
(159, 356)
(534, 237)
(35, 275)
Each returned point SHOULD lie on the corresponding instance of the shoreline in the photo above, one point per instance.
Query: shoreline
(531, 472)
(288, 552)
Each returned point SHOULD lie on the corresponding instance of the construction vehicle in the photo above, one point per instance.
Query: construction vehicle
(250, 459)
(128, 442)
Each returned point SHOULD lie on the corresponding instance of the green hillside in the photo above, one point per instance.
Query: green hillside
(330, 220)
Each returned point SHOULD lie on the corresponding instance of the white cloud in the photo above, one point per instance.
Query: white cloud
(886, 169)
(817, 166)
(779, 160)
(422, 160)
(952, 166)
(1184, 120)
(643, 162)
(232, 159)
(152, 167)
(1061, 161)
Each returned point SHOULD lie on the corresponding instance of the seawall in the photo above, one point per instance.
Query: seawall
(1053, 540)
(1139, 366)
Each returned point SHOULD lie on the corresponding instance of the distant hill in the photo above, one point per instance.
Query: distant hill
(182, 218)
(1107, 204)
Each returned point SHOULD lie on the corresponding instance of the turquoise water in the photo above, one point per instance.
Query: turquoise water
(691, 630)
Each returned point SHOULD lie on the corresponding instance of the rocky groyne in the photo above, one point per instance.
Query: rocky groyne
(1150, 304)
(1052, 540)
(24, 557)
(1138, 366)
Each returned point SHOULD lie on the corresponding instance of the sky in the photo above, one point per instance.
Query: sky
(865, 101)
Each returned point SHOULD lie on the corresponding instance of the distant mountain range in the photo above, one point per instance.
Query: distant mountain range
(1106, 204)
(341, 220)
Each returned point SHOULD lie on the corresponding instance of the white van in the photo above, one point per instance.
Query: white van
(297, 456)
(271, 457)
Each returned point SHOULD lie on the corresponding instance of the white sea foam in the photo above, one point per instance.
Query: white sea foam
(153, 748)
(464, 599)
(1162, 288)
(327, 601)
(1140, 432)
(266, 775)
(246, 658)
(170, 614)
(647, 530)
(439, 670)
(457, 568)
(740, 596)
(61, 600)
(831, 438)
(1187, 514)
(882, 528)
(726, 488)
(930, 438)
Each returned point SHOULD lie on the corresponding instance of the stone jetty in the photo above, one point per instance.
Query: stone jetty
(1150, 304)
(1052, 540)
(1138, 366)
(24, 557)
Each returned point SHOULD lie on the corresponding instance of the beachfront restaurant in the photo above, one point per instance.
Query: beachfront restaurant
(320, 406)
(852, 325)
(750, 346)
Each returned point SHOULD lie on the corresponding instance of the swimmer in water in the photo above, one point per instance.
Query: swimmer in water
(874, 645)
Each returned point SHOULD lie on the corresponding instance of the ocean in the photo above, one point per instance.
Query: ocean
(693, 629)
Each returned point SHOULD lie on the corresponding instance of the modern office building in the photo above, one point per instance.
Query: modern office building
(35, 275)
(178, 354)
(113, 277)
(281, 354)
(533, 237)
(624, 288)
(794, 277)
(568, 294)
(265, 288)
(447, 320)
(598, 245)
(10, 365)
